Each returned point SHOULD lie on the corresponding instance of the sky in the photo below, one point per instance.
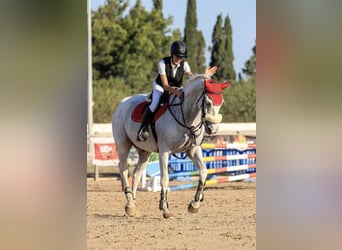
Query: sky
(242, 14)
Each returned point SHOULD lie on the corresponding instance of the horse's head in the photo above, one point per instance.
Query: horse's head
(212, 103)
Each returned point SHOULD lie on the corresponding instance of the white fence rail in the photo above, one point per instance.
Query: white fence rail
(245, 128)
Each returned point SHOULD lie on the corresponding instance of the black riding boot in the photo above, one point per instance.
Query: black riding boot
(143, 131)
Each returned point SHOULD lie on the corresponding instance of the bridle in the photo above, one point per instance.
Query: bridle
(192, 129)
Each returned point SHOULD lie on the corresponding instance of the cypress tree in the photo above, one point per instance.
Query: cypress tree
(228, 70)
(194, 39)
(240, 100)
(200, 58)
(222, 50)
(158, 4)
(217, 49)
(250, 65)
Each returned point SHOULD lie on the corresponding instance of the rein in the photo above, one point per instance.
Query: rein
(192, 129)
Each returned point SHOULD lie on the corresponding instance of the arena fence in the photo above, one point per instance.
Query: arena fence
(225, 163)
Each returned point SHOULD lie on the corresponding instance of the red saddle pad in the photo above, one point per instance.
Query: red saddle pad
(138, 112)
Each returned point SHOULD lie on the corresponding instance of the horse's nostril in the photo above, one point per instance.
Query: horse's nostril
(209, 129)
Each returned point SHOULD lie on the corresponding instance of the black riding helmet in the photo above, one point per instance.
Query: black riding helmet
(179, 48)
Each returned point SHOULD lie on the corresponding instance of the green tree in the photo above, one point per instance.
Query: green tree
(250, 65)
(199, 55)
(240, 98)
(217, 49)
(240, 103)
(108, 37)
(158, 5)
(194, 39)
(222, 49)
(107, 95)
(126, 50)
(228, 58)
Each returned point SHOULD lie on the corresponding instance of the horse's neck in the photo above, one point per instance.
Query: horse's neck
(191, 107)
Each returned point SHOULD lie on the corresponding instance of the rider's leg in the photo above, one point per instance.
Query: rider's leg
(156, 95)
(143, 131)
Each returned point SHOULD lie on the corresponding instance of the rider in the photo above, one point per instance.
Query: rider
(171, 70)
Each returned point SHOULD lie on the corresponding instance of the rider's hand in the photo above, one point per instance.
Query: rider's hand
(179, 93)
(210, 71)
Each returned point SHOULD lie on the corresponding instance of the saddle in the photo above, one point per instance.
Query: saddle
(138, 111)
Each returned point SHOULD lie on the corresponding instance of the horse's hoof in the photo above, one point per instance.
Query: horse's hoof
(192, 209)
(130, 211)
(168, 215)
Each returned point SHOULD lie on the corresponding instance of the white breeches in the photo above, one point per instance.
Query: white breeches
(157, 93)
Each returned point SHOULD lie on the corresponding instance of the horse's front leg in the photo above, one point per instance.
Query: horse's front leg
(130, 207)
(164, 183)
(138, 170)
(195, 154)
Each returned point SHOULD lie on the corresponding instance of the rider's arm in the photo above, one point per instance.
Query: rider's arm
(187, 69)
(207, 74)
(167, 87)
(165, 82)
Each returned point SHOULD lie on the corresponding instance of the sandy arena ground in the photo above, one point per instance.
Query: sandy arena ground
(226, 219)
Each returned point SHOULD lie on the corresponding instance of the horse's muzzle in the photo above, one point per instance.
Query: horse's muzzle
(213, 118)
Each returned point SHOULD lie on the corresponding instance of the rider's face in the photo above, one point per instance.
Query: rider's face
(177, 60)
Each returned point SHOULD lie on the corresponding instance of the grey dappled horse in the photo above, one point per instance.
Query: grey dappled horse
(180, 129)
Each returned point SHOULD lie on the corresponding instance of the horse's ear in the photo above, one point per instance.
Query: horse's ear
(225, 84)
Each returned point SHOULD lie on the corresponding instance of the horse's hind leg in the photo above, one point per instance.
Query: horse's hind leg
(142, 163)
(195, 154)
